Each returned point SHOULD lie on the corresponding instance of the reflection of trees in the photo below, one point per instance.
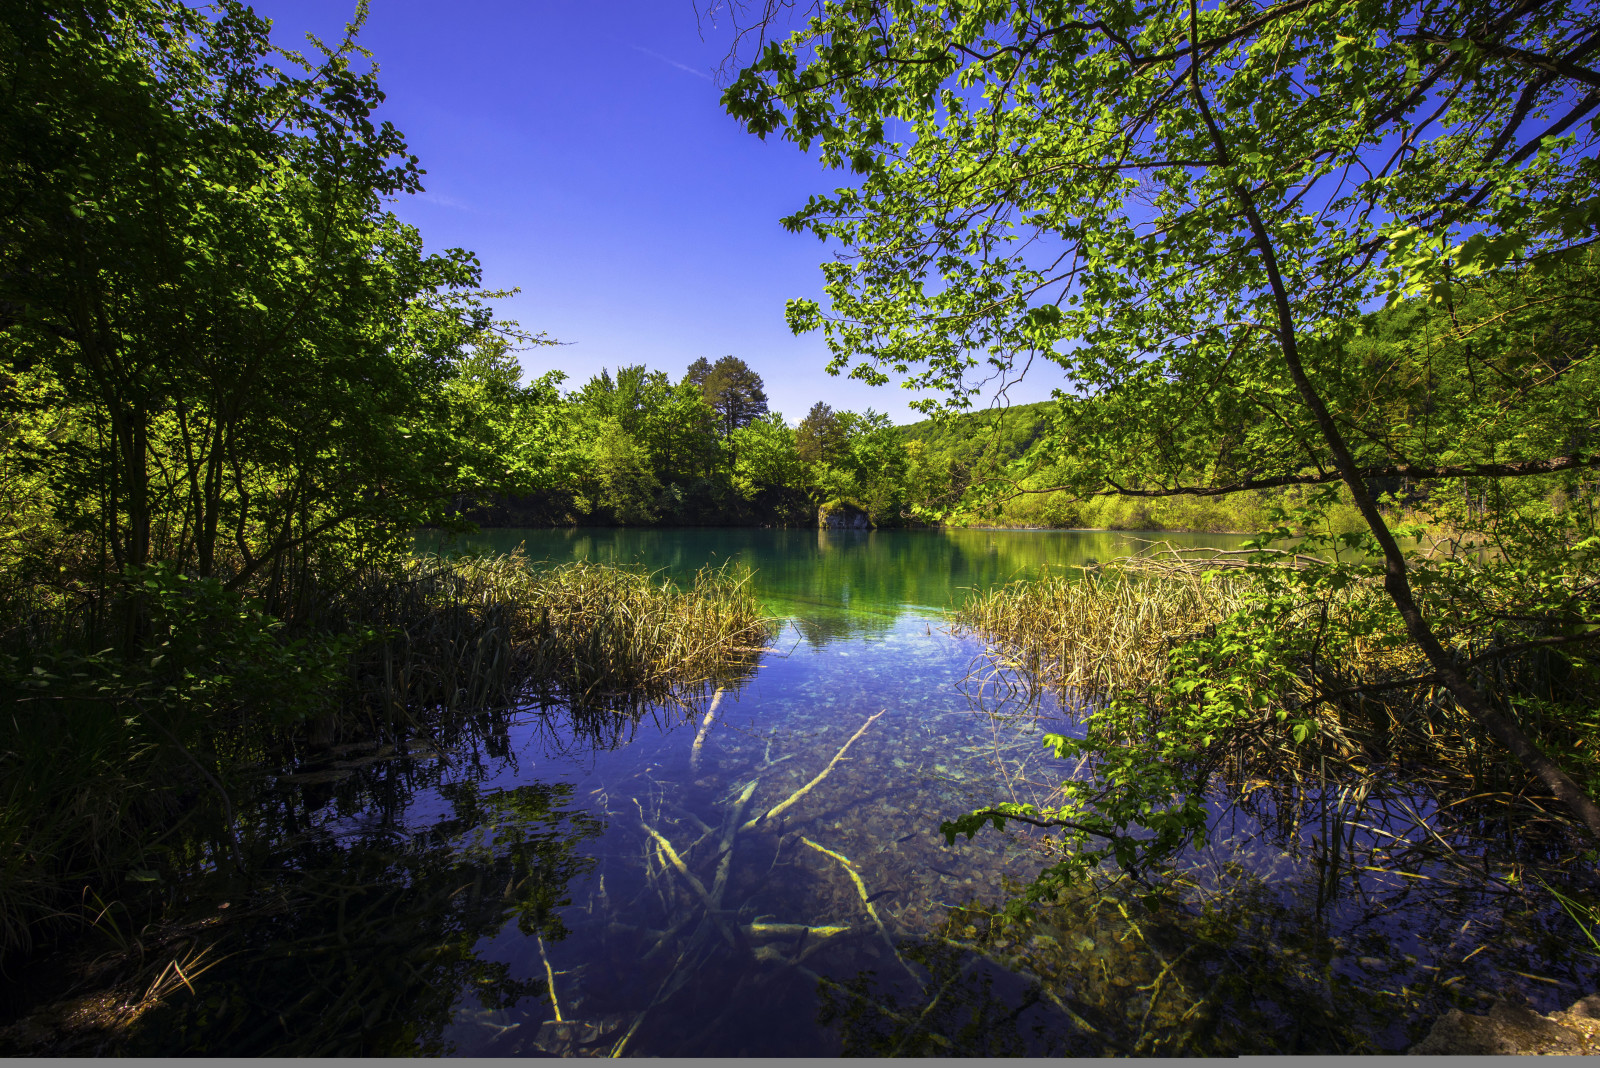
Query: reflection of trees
(882, 570)
(363, 945)
(821, 628)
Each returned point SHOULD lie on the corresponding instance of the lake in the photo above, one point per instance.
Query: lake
(543, 883)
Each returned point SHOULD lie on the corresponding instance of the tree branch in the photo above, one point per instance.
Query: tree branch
(1514, 469)
(1520, 56)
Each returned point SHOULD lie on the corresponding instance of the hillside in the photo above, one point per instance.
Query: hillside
(992, 437)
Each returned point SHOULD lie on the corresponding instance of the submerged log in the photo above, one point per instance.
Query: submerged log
(705, 729)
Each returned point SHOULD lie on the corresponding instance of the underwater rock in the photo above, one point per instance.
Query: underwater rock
(1513, 1027)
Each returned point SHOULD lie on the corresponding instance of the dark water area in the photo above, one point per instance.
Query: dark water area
(551, 883)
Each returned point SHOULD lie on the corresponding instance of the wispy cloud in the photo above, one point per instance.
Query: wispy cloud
(672, 62)
(447, 202)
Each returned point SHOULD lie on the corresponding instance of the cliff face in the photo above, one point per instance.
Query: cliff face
(839, 516)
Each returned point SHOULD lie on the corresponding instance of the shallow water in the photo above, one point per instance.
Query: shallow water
(593, 886)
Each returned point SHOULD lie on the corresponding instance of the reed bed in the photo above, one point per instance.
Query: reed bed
(1336, 742)
(120, 771)
(1103, 630)
(485, 632)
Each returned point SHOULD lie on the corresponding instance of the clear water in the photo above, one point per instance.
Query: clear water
(555, 886)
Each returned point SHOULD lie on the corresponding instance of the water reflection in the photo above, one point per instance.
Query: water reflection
(360, 935)
(770, 881)
(838, 584)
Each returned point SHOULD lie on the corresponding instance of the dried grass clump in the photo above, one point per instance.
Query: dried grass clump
(1100, 629)
(476, 633)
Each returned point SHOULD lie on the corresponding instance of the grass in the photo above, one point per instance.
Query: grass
(1099, 631)
(118, 770)
(1303, 748)
(491, 632)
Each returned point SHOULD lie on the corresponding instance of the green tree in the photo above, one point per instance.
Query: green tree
(878, 465)
(195, 254)
(732, 389)
(767, 461)
(1188, 211)
(681, 433)
(821, 435)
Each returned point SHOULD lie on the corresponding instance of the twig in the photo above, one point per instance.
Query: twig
(798, 794)
(1044, 989)
(786, 930)
(549, 977)
(730, 830)
(823, 980)
(699, 888)
(866, 900)
(932, 1003)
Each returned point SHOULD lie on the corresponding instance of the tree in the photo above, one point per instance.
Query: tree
(680, 431)
(1188, 211)
(821, 435)
(768, 460)
(732, 390)
(698, 372)
(879, 463)
(252, 352)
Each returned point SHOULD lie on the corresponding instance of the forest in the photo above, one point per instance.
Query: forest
(1320, 275)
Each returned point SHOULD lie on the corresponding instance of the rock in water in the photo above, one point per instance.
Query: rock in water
(1513, 1027)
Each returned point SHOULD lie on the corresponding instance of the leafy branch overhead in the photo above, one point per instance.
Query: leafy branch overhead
(1196, 213)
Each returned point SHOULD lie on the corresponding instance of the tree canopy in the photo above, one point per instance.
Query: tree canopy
(247, 353)
(1189, 209)
(734, 391)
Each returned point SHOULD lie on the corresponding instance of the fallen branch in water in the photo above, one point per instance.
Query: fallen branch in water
(705, 729)
(789, 801)
(866, 900)
(699, 888)
(823, 980)
(730, 830)
(550, 977)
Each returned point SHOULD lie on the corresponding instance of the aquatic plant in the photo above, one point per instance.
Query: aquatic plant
(475, 632)
(1280, 686)
(120, 770)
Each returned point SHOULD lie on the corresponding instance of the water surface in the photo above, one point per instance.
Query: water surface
(598, 885)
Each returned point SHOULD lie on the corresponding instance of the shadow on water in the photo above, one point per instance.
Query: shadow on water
(760, 872)
(372, 880)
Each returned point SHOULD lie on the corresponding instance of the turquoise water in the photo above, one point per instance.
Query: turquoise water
(662, 886)
(838, 583)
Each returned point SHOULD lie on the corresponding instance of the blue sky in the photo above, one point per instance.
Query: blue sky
(580, 150)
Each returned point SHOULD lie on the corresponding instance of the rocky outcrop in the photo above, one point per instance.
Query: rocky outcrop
(836, 515)
(1513, 1027)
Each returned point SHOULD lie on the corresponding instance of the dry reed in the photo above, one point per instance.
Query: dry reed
(476, 633)
(1106, 629)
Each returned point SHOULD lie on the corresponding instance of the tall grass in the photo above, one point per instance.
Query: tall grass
(1100, 630)
(491, 632)
(1332, 736)
(120, 768)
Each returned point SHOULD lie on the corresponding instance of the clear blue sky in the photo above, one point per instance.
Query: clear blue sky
(580, 151)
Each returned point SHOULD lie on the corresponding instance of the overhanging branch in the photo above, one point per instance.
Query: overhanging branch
(1520, 56)
(1515, 469)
